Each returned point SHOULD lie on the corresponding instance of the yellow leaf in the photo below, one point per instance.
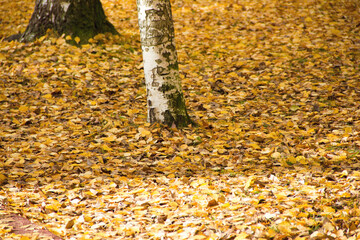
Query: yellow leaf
(233, 74)
(276, 155)
(178, 159)
(23, 108)
(196, 237)
(87, 218)
(328, 210)
(241, 236)
(173, 204)
(348, 130)
(271, 233)
(254, 146)
(24, 238)
(88, 174)
(301, 159)
(284, 227)
(90, 194)
(221, 198)
(249, 182)
(335, 32)
(41, 38)
(294, 108)
(3, 178)
(137, 191)
(54, 206)
(171, 175)
(143, 132)
(110, 138)
(16, 121)
(86, 154)
(236, 207)
(77, 39)
(68, 37)
(2, 96)
(328, 226)
(280, 195)
(47, 96)
(106, 148)
(356, 175)
(55, 231)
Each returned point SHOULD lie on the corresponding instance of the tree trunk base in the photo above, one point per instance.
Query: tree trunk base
(82, 18)
(15, 37)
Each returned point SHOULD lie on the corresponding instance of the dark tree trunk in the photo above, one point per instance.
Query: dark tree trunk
(77, 18)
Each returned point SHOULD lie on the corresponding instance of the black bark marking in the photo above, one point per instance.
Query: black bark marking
(152, 115)
(158, 25)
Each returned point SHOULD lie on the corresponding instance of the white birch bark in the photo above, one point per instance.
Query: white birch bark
(164, 94)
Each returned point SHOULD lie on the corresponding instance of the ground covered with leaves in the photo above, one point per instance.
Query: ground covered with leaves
(273, 86)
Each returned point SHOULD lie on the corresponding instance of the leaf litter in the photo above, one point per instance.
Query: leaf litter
(273, 86)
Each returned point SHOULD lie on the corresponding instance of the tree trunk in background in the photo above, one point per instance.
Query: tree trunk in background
(77, 18)
(165, 99)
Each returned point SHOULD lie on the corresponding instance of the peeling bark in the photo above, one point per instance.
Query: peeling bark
(77, 18)
(165, 99)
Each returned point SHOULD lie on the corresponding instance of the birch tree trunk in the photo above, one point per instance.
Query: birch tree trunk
(77, 18)
(165, 99)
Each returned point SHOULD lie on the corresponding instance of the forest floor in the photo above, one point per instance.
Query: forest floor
(273, 85)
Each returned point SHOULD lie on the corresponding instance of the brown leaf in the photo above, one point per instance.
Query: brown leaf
(212, 203)
(70, 224)
(162, 218)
